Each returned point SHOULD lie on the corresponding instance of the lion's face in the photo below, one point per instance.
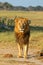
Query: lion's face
(21, 24)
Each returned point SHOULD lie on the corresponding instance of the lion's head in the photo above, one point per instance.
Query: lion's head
(21, 24)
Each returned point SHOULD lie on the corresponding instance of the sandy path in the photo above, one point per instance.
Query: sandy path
(32, 60)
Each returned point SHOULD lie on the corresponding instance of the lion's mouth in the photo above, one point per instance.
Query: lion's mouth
(21, 30)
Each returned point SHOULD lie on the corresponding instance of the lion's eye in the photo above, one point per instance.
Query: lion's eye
(24, 24)
(19, 23)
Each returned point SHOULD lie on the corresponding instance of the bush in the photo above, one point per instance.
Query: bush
(6, 24)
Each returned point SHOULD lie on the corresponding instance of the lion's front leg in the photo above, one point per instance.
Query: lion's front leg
(25, 50)
(19, 51)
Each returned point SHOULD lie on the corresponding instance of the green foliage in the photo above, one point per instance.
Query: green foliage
(6, 24)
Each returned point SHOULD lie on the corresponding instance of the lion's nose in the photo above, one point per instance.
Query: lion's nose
(22, 26)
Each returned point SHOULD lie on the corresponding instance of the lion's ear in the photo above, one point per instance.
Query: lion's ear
(29, 21)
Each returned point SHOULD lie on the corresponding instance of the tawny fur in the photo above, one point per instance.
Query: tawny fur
(22, 34)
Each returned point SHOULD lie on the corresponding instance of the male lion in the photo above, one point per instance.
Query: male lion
(22, 33)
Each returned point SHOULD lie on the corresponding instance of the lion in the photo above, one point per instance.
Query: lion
(22, 33)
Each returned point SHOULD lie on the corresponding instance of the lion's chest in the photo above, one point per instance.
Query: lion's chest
(22, 38)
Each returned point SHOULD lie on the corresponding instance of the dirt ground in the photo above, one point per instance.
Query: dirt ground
(33, 57)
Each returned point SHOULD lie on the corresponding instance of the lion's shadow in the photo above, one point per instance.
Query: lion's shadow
(31, 56)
